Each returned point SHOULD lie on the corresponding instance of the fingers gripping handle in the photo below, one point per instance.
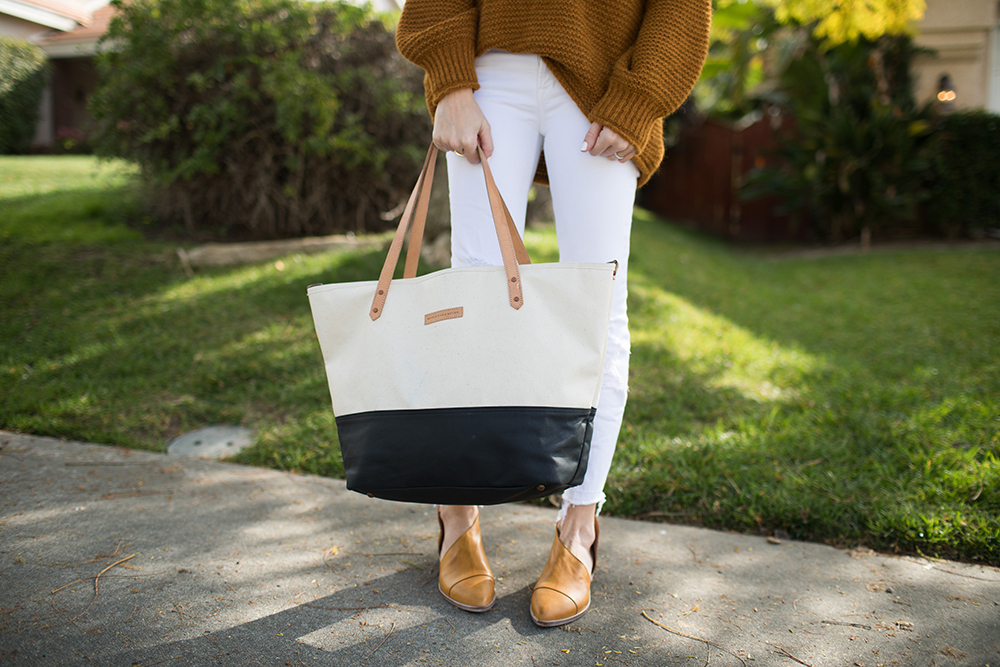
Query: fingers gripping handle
(511, 246)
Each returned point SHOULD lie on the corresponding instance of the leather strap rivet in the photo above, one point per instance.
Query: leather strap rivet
(540, 487)
(514, 279)
(374, 310)
(517, 298)
(381, 291)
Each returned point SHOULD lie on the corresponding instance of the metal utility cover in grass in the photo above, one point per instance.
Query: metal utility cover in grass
(211, 442)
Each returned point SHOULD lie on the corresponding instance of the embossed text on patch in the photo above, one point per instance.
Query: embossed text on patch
(441, 315)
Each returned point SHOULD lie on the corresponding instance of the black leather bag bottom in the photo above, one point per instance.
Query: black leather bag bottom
(465, 456)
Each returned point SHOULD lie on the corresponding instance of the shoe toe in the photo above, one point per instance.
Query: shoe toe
(562, 593)
(465, 578)
(475, 592)
(551, 606)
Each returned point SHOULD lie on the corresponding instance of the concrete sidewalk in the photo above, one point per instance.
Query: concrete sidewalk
(117, 557)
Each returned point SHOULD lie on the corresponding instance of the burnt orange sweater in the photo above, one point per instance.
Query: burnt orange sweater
(626, 63)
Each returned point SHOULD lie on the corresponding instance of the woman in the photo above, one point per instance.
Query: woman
(569, 93)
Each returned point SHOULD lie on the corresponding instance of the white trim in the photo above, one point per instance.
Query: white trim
(993, 67)
(44, 135)
(37, 15)
(80, 49)
(93, 5)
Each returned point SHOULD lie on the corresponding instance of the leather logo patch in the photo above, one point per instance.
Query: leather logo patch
(441, 315)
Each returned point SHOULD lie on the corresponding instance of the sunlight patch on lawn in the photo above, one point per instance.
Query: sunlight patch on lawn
(79, 355)
(279, 341)
(22, 175)
(77, 404)
(729, 356)
(288, 270)
(541, 242)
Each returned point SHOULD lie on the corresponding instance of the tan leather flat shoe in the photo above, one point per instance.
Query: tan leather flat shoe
(465, 578)
(562, 593)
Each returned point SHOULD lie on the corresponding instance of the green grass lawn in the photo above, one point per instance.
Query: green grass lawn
(851, 399)
(66, 198)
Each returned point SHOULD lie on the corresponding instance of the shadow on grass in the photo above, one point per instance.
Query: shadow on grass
(91, 214)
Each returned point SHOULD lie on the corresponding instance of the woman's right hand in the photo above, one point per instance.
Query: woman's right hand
(460, 126)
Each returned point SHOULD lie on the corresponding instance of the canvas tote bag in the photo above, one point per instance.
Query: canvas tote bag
(470, 386)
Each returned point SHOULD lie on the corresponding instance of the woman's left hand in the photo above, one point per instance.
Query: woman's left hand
(604, 142)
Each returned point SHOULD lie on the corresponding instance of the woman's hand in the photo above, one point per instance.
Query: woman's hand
(604, 142)
(460, 126)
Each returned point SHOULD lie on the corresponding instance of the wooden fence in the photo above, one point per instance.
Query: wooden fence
(699, 181)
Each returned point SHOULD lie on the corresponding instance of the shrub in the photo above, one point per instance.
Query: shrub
(261, 118)
(856, 156)
(72, 141)
(23, 75)
(965, 178)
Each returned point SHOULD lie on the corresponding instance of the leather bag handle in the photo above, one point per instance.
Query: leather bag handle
(511, 245)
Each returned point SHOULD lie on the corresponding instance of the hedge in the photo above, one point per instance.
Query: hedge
(965, 175)
(261, 118)
(23, 75)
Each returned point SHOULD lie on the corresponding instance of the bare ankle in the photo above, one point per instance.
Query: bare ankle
(578, 523)
(458, 513)
(457, 519)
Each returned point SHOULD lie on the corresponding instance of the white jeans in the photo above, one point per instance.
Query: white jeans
(592, 198)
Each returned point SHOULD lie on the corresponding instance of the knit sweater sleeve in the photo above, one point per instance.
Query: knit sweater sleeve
(656, 74)
(440, 37)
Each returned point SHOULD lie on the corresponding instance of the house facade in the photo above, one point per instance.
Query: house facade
(965, 36)
(68, 33)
